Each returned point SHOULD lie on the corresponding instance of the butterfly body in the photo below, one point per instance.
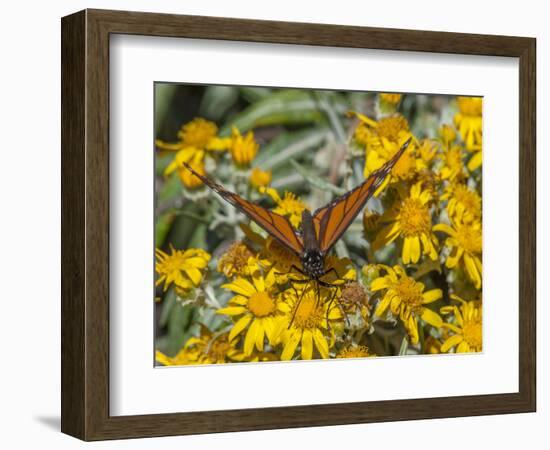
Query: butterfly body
(319, 231)
(313, 259)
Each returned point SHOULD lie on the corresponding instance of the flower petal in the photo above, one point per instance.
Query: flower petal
(382, 305)
(432, 295)
(415, 249)
(290, 346)
(260, 335)
(407, 250)
(239, 326)
(240, 286)
(431, 317)
(445, 229)
(451, 342)
(194, 274)
(321, 343)
(379, 283)
(307, 345)
(232, 310)
(250, 338)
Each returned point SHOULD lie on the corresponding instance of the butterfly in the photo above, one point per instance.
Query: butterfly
(320, 230)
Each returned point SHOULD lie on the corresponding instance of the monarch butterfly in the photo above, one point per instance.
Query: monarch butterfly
(320, 230)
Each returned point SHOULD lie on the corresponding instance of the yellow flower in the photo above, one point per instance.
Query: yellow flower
(453, 164)
(464, 204)
(237, 260)
(468, 120)
(196, 138)
(390, 98)
(355, 351)
(467, 329)
(476, 159)
(310, 323)
(199, 134)
(260, 178)
(258, 310)
(411, 219)
(371, 220)
(427, 151)
(448, 135)
(243, 149)
(382, 140)
(189, 180)
(465, 243)
(406, 299)
(208, 348)
(211, 348)
(430, 182)
(183, 268)
(432, 346)
(290, 205)
(273, 254)
(182, 358)
(354, 298)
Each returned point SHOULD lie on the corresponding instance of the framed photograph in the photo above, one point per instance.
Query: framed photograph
(270, 225)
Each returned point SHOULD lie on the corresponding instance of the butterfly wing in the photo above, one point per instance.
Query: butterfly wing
(332, 220)
(276, 225)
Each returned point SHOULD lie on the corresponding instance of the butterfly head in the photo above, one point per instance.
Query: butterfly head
(313, 262)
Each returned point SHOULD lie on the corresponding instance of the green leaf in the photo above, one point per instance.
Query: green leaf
(315, 180)
(296, 145)
(253, 94)
(178, 323)
(162, 227)
(217, 100)
(404, 347)
(287, 107)
(167, 304)
(170, 189)
(162, 161)
(326, 104)
(164, 92)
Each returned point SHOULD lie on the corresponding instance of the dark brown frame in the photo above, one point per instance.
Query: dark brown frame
(85, 224)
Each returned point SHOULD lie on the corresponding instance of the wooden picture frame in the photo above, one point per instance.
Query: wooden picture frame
(85, 224)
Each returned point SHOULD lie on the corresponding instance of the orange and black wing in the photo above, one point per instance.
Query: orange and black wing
(333, 220)
(276, 225)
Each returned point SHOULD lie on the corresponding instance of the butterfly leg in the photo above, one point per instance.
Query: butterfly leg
(331, 301)
(331, 270)
(335, 287)
(297, 305)
(292, 267)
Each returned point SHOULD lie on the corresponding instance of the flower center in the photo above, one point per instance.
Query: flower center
(307, 314)
(472, 334)
(469, 238)
(235, 259)
(454, 158)
(218, 350)
(405, 167)
(291, 206)
(359, 351)
(261, 304)
(280, 253)
(172, 264)
(470, 200)
(410, 293)
(415, 217)
(198, 132)
(353, 294)
(390, 127)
